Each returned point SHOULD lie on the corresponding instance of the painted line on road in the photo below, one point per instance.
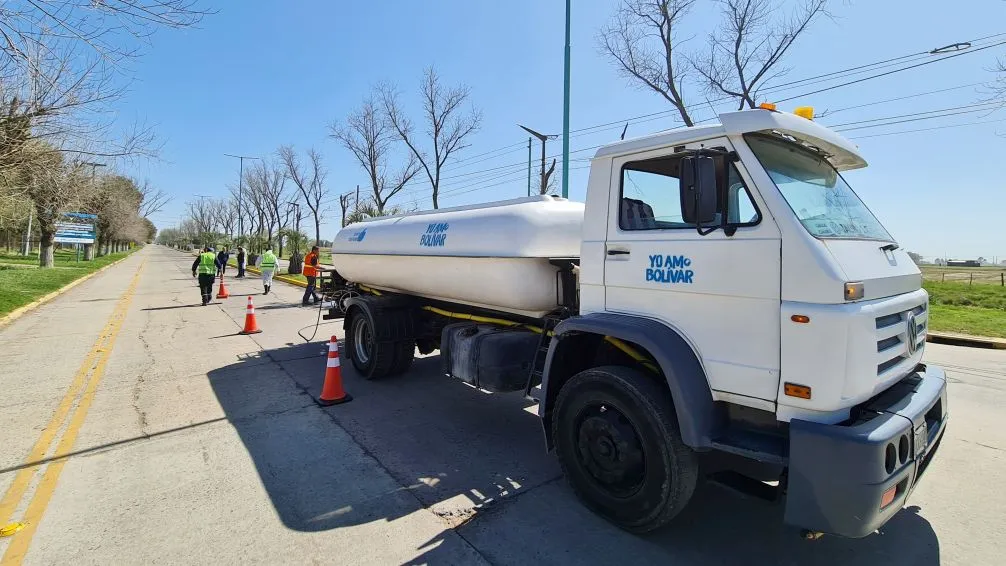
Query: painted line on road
(92, 371)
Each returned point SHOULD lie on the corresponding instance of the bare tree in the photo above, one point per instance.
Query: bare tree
(201, 213)
(59, 60)
(547, 182)
(54, 187)
(644, 40)
(369, 137)
(344, 204)
(223, 215)
(152, 199)
(447, 124)
(750, 44)
(641, 41)
(267, 182)
(310, 181)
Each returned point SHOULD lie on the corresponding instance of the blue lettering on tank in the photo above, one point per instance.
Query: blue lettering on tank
(435, 236)
(670, 269)
(358, 236)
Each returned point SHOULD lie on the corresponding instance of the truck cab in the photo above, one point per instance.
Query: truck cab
(806, 320)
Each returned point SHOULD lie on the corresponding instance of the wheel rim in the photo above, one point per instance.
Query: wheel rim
(362, 340)
(609, 450)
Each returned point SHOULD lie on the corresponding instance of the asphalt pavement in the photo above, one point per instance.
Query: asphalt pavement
(199, 445)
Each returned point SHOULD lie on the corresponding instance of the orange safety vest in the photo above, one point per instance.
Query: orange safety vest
(310, 270)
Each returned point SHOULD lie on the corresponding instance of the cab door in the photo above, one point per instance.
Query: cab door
(720, 291)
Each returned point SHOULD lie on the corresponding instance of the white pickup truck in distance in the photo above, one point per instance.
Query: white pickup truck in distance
(721, 290)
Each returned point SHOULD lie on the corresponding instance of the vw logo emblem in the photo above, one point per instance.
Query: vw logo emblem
(912, 333)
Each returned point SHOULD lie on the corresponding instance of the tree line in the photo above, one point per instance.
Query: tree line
(63, 66)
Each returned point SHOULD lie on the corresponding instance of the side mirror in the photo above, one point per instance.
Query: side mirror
(698, 189)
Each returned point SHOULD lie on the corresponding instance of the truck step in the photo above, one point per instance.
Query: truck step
(753, 444)
(744, 485)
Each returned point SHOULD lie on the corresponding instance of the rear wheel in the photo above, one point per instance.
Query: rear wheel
(405, 352)
(617, 438)
(372, 359)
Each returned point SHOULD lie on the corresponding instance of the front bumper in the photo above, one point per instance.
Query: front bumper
(838, 473)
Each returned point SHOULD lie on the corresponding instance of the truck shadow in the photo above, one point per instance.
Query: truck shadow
(477, 462)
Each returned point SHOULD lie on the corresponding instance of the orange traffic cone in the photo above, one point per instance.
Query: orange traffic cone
(332, 392)
(251, 327)
(222, 293)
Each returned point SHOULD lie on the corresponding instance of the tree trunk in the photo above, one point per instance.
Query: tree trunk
(45, 256)
(88, 252)
(317, 230)
(296, 264)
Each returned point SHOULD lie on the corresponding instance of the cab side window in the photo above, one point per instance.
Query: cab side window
(651, 196)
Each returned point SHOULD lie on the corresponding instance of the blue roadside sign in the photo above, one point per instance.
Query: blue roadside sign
(76, 228)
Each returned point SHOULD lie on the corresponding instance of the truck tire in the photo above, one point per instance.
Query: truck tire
(616, 435)
(405, 352)
(371, 359)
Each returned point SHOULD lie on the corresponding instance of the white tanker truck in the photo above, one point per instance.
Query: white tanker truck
(722, 290)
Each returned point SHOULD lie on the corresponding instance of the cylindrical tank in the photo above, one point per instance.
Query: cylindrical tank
(493, 255)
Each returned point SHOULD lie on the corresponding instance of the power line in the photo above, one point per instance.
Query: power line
(945, 127)
(829, 111)
(886, 73)
(918, 119)
(976, 108)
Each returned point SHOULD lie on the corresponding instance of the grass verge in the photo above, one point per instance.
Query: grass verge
(22, 284)
(978, 310)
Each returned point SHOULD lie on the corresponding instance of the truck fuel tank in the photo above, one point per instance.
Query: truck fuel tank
(488, 357)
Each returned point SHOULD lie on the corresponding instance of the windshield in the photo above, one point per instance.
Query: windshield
(819, 196)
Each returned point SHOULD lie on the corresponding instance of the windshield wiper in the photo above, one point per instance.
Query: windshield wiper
(890, 247)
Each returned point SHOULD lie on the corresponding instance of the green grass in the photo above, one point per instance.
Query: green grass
(978, 310)
(62, 258)
(22, 285)
(968, 320)
(964, 295)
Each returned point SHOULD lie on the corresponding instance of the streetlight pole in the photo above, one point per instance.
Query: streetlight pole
(241, 180)
(565, 113)
(528, 166)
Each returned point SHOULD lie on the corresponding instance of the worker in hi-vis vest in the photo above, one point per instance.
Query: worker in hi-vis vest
(267, 264)
(311, 274)
(206, 266)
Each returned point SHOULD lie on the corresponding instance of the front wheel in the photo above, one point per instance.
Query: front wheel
(617, 439)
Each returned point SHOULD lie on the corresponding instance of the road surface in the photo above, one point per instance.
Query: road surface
(184, 442)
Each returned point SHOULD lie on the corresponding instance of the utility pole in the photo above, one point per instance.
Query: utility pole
(241, 180)
(544, 174)
(565, 113)
(528, 166)
(89, 248)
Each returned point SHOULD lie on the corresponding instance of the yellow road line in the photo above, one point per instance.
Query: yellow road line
(94, 366)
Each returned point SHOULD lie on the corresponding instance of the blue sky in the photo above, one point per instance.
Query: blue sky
(250, 79)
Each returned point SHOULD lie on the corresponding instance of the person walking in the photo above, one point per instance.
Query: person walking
(206, 265)
(222, 258)
(311, 274)
(241, 262)
(267, 264)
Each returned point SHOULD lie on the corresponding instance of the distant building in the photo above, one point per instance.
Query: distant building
(963, 263)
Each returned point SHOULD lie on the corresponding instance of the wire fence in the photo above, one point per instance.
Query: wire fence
(966, 275)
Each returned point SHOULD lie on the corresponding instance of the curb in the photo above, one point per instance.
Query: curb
(23, 310)
(965, 340)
